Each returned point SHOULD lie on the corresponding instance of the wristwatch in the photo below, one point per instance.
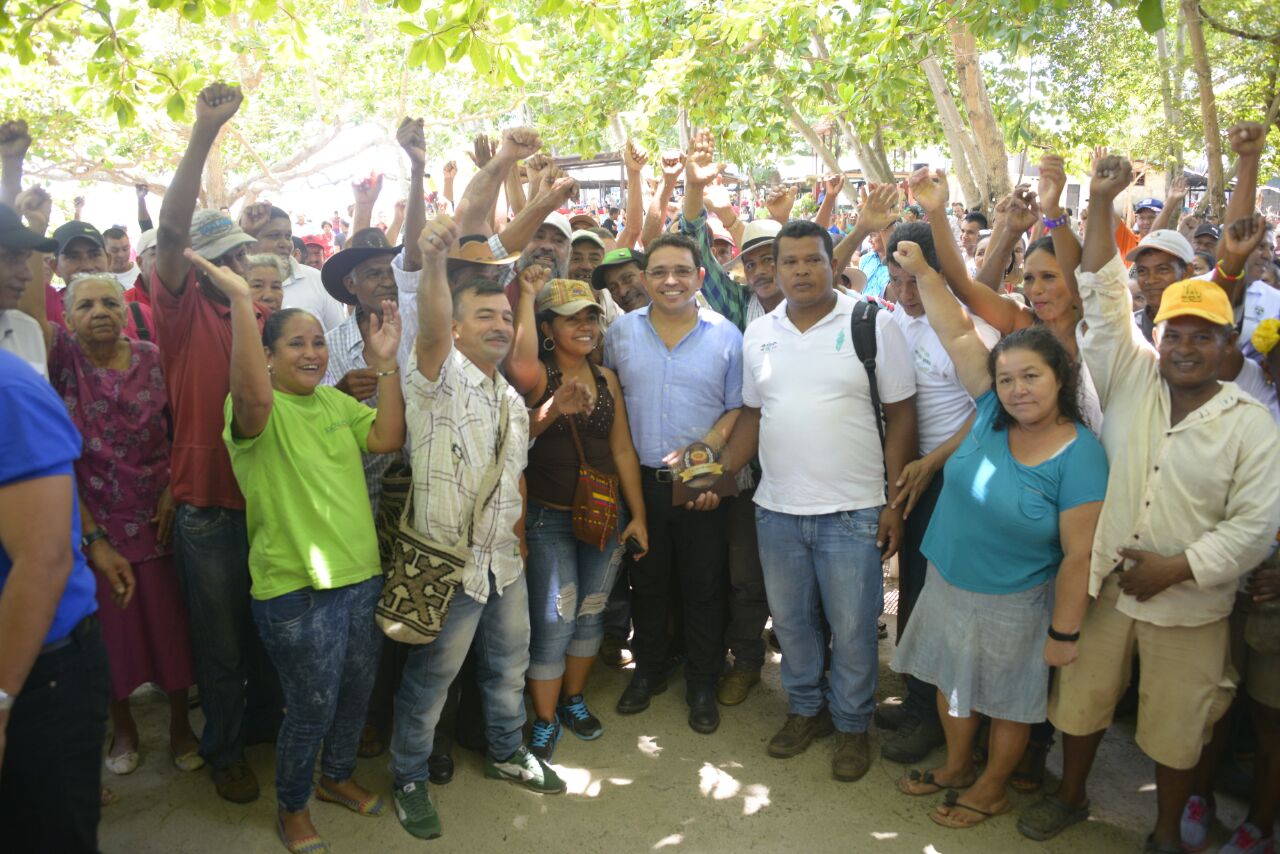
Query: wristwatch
(6, 700)
(92, 538)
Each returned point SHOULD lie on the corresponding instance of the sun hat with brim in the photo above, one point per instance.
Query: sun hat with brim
(15, 235)
(1165, 240)
(583, 234)
(214, 234)
(760, 232)
(474, 249)
(616, 258)
(1195, 298)
(566, 297)
(583, 221)
(340, 264)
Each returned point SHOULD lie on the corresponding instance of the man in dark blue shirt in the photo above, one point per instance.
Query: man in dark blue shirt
(54, 683)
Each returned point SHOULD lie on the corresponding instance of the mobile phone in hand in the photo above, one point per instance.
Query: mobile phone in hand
(633, 547)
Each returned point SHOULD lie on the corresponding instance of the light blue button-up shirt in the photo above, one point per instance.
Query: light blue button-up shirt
(674, 396)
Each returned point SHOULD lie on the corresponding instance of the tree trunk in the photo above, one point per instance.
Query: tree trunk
(964, 155)
(1167, 68)
(815, 142)
(874, 167)
(1216, 194)
(986, 131)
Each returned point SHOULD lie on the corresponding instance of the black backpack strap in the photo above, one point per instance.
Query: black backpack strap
(863, 329)
(144, 334)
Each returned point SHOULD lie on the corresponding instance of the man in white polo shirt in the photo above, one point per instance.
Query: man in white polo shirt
(303, 288)
(824, 525)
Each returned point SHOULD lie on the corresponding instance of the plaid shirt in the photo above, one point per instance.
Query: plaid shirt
(346, 354)
(453, 423)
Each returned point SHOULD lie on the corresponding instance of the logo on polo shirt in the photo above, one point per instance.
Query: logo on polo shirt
(839, 340)
(768, 346)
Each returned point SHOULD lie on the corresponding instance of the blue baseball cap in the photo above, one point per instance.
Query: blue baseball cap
(1149, 205)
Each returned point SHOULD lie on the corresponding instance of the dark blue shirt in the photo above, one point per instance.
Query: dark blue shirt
(37, 439)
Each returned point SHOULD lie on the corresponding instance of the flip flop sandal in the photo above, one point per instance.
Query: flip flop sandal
(371, 806)
(916, 778)
(950, 819)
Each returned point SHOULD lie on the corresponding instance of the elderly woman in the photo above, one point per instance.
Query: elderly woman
(1003, 601)
(114, 391)
(296, 450)
(580, 408)
(265, 274)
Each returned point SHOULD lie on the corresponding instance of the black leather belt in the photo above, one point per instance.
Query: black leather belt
(656, 475)
(76, 635)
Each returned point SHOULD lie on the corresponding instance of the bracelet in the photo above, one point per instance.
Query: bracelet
(1230, 278)
(1062, 636)
(1056, 222)
(91, 538)
(390, 373)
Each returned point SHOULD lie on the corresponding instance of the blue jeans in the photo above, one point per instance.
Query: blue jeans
(825, 564)
(325, 646)
(500, 629)
(569, 584)
(211, 545)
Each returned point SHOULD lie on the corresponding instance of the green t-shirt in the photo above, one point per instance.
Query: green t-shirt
(308, 514)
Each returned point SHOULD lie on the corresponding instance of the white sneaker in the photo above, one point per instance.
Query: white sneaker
(1248, 839)
(1197, 818)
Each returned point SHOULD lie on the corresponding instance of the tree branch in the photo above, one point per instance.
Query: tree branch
(1232, 31)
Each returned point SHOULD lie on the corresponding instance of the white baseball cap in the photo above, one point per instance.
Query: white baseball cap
(561, 222)
(1165, 240)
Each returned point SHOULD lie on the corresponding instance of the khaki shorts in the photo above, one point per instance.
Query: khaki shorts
(1185, 682)
(1261, 670)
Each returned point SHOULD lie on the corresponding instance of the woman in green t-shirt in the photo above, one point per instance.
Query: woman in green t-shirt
(295, 448)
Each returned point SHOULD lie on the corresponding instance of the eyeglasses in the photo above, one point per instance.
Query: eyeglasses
(661, 274)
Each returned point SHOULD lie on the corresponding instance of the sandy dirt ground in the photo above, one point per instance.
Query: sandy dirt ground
(648, 784)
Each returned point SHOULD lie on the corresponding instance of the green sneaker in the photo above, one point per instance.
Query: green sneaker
(416, 812)
(526, 769)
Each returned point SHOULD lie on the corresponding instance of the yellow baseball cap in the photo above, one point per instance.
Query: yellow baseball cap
(567, 297)
(1195, 298)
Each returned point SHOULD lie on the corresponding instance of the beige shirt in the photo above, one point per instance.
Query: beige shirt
(453, 422)
(1209, 486)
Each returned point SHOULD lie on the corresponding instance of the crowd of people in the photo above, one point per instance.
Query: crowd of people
(449, 463)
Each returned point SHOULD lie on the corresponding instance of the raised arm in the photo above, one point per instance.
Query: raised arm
(435, 302)
(930, 192)
(700, 168)
(34, 205)
(1247, 141)
(833, 184)
(718, 202)
(144, 216)
(634, 159)
(1173, 199)
(1066, 247)
(482, 191)
(656, 219)
(450, 173)
(522, 227)
(525, 370)
(515, 190)
(1111, 174)
(953, 327)
(397, 222)
(1017, 213)
(877, 210)
(215, 106)
(412, 139)
(366, 194)
(15, 139)
(779, 202)
(251, 395)
(386, 434)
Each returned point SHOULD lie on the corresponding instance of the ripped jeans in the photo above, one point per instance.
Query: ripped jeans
(569, 584)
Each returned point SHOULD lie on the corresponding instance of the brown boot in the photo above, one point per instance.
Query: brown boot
(798, 733)
(236, 782)
(852, 757)
(736, 685)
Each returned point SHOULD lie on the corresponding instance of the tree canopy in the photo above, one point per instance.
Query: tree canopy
(108, 87)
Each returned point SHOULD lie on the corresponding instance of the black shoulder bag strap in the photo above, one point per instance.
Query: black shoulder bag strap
(863, 329)
(144, 334)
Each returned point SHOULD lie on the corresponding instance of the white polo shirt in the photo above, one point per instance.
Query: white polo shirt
(942, 404)
(819, 447)
(303, 289)
(24, 338)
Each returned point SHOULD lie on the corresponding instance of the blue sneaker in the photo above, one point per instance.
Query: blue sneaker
(544, 738)
(574, 714)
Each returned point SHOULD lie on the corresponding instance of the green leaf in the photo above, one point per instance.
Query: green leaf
(418, 54)
(410, 29)
(479, 54)
(176, 107)
(435, 56)
(1151, 15)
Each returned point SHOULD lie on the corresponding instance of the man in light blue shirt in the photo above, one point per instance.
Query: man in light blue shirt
(681, 373)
